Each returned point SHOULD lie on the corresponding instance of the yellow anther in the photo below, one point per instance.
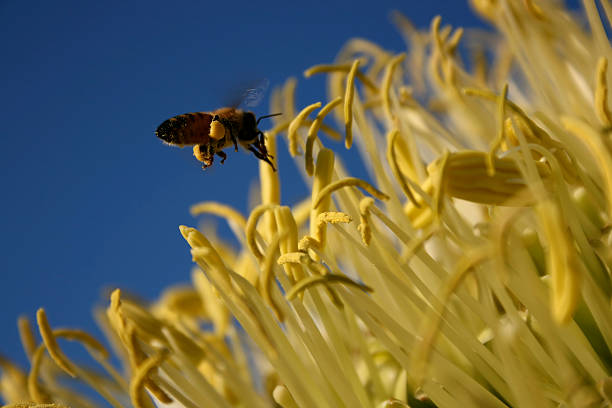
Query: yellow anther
(364, 219)
(330, 217)
(293, 257)
(307, 243)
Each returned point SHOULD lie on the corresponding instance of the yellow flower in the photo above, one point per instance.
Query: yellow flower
(478, 273)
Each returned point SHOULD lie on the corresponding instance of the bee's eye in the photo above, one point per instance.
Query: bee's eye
(216, 117)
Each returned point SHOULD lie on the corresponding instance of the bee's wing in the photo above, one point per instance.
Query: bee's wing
(253, 96)
(248, 93)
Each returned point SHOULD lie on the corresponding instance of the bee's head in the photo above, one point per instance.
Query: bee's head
(248, 121)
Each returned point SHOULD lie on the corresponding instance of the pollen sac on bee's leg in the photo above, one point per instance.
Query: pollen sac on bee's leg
(217, 130)
(203, 154)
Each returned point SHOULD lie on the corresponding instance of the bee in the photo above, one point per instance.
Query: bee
(211, 132)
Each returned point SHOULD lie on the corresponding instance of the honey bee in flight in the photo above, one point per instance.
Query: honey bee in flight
(211, 132)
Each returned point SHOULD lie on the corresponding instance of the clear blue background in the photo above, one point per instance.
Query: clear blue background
(91, 199)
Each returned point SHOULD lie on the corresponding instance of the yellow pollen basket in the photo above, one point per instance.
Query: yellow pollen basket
(217, 130)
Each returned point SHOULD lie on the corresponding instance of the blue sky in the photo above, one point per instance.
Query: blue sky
(91, 198)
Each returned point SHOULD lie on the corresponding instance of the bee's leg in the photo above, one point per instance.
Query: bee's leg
(209, 155)
(261, 144)
(203, 153)
(222, 155)
(229, 127)
(261, 156)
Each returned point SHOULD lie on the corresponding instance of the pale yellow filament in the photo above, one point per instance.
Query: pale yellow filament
(453, 42)
(141, 375)
(215, 308)
(486, 8)
(251, 226)
(51, 344)
(399, 176)
(295, 124)
(439, 186)
(301, 212)
(267, 275)
(563, 263)
(534, 9)
(34, 405)
(598, 150)
(602, 108)
(348, 182)
(386, 83)
(432, 320)
(348, 104)
(500, 132)
(221, 210)
(34, 389)
(326, 280)
(323, 173)
(327, 68)
(287, 224)
(288, 98)
(312, 132)
(283, 397)
(207, 252)
(270, 188)
(83, 337)
(27, 336)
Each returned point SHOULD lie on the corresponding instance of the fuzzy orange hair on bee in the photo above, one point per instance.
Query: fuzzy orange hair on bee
(211, 132)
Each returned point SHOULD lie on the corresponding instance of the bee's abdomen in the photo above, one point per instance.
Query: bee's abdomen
(185, 129)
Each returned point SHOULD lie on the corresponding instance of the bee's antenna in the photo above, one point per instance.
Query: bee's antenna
(267, 116)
